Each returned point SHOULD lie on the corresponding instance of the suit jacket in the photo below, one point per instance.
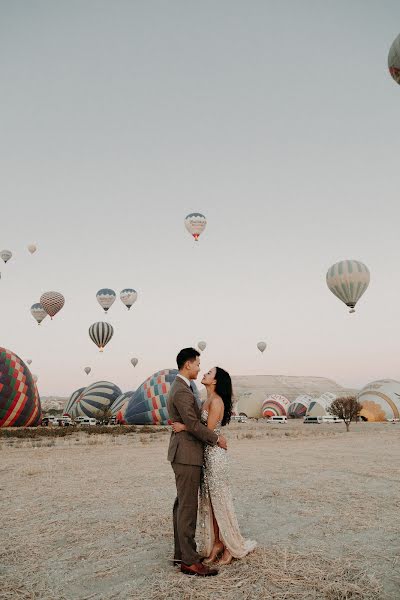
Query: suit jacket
(187, 447)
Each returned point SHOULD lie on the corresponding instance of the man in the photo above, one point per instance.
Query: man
(185, 453)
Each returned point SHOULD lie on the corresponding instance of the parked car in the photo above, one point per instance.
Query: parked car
(281, 420)
(88, 421)
(322, 419)
(239, 418)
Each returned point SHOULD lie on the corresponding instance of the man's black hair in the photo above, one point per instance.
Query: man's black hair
(186, 354)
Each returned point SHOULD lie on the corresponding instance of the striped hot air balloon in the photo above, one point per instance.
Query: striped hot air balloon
(275, 406)
(96, 399)
(101, 333)
(149, 402)
(348, 280)
(70, 406)
(52, 302)
(119, 407)
(298, 408)
(19, 396)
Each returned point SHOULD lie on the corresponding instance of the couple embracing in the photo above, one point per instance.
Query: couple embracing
(198, 454)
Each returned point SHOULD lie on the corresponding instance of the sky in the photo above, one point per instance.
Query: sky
(277, 120)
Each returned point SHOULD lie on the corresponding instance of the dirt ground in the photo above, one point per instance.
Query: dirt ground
(90, 517)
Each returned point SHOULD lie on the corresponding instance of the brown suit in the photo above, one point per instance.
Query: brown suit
(185, 452)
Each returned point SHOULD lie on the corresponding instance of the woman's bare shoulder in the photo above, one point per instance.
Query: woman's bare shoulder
(216, 402)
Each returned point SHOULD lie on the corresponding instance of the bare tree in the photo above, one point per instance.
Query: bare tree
(347, 408)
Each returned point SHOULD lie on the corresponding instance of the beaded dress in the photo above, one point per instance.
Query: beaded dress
(215, 495)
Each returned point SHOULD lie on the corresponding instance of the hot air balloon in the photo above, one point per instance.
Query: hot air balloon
(149, 403)
(394, 60)
(275, 406)
(298, 408)
(118, 408)
(96, 399)
(261, 346)
(19, 396)
(29, 361)
(38, 312)
(70, 406)
(202, 346)
(195, 223)
(348, 280)
(101, 333)
(52, 302)
(87, 370)
(128, 297)
(32, 248)
(134, 361)
(106, 298)
(6, 255)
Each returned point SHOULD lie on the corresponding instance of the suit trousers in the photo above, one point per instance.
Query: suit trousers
(187, 479)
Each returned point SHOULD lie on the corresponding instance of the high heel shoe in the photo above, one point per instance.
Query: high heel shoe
(217, 549)
(225, 561)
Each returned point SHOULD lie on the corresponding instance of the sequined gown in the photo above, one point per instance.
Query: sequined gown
(215, 495)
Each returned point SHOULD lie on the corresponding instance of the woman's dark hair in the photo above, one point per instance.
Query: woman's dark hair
(185, 355)
(224, 389)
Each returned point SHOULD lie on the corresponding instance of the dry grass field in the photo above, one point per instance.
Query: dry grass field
(89, 517)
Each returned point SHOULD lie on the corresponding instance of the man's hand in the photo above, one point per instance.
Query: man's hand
(222, 442)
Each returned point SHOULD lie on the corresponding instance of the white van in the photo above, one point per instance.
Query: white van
(323, 419)
(88, 421)
(312, 420)
(281, 420)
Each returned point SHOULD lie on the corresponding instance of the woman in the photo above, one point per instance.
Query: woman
(218, 526)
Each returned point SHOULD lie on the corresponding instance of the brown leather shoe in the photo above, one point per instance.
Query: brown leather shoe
(198, 569)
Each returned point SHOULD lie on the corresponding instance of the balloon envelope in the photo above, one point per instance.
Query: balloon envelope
(119, 407)
(261, 346)
(275, 406)
(32, 248)
(6, 255)
(87, 370)
(128, 297)
(38, 312)
(394, 60)
(149, 402)
(348, 280)
(19, 396)
(70, 406)
(202, 346)
(52, 302)
(101, 333)
(106, 298)
(195, 223)
(29, 361)
(96, 399)
(134, 361)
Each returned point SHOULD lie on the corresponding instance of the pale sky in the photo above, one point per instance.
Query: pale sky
(277, 120)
